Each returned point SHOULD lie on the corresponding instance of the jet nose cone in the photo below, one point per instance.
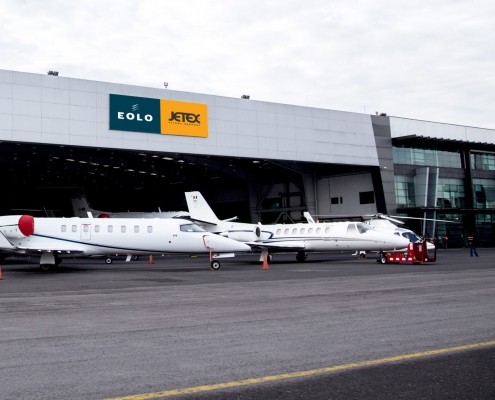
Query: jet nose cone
(401, 242)
(224, 244)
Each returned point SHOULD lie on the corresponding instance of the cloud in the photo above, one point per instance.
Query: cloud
(425, 60)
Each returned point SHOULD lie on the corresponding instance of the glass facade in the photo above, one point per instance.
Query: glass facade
(450, 193)
(483, 161)
(484, 193)
(404, 191)
(426, 157)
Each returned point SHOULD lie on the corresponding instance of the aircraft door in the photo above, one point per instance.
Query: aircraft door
(86, 232)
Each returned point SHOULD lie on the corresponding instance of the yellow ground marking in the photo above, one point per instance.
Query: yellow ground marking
(301, 374)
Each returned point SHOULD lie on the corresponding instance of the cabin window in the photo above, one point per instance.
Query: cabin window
(123, 228)
(85, 228)
(74, 228)
(63, 228)
(150, 229)
(110, 228)
(303, 230)
(286, 232)
(294, 231)
(310, 231)
(318, 231)
(97, 228)
(279, 231)
(136, 228)
(327, 229)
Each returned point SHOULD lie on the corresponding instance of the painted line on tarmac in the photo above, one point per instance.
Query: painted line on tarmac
(301, 374)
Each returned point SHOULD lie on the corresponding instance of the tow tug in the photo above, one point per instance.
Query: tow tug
(416, 253)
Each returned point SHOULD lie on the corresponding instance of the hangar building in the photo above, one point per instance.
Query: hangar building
(138, 148)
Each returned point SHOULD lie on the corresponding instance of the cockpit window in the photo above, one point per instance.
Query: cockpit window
(362, 228)
(191, 228)
(411, 236)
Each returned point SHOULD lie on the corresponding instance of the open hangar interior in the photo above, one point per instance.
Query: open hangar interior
(40, 179)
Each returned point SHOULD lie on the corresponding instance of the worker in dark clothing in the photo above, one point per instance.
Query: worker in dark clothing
(444, 241)
(472, 245)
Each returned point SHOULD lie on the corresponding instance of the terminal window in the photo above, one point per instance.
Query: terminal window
(366, 197)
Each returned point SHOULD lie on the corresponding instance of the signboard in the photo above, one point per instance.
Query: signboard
(166, 117)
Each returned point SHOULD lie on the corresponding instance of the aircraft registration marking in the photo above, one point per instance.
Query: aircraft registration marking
(302, 374)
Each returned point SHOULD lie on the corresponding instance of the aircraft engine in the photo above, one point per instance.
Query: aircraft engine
(26, 225)
(243, 235)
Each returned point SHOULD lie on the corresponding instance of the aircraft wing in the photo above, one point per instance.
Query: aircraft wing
(277, 246)
(5, 243)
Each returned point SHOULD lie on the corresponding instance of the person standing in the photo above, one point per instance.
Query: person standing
(472, 245)
(444, 240)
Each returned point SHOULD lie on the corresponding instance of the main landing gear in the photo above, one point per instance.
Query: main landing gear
(301, 256)
(215, 265)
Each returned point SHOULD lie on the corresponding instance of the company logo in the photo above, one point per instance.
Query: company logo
(182, 117)
(185, 119)
(136, 114)
(131, 116)
(166, 117)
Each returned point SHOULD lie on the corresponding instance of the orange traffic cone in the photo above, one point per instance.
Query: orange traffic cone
(151, 260)
(265, 263)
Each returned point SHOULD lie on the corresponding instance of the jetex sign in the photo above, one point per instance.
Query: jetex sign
(166, 117)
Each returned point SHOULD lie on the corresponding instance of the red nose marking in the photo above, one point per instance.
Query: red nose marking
(103, 215)
(26, 225)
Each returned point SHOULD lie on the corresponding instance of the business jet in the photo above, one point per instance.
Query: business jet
(82, 209)
(56, 238)
(300, 238)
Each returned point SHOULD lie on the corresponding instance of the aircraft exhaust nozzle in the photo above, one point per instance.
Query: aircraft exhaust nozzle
(244, 235)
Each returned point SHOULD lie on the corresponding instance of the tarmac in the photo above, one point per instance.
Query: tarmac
(333, 327)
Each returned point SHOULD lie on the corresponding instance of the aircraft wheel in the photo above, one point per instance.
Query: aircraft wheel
(362, 256)
(46, 267)
(382, 259)
(108, 260)
(215, 265)
(301, 256)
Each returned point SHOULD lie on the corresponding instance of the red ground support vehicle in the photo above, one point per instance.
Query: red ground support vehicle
(416, 253)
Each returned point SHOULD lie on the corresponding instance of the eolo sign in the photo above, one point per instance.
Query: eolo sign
(166, 117)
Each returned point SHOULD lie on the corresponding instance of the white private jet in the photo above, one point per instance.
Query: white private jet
(81, 209)
(300, 237)
(56, 238)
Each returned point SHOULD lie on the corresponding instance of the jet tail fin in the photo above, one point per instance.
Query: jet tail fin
(82, 208)
(199, 209)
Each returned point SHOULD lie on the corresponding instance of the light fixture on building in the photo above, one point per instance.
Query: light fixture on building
(165, 85)
(245, 96)
(54, 73)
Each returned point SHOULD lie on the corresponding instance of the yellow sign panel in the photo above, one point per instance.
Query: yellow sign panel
(184, 119)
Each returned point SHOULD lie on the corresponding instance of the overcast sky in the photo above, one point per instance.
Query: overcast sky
(430, 60)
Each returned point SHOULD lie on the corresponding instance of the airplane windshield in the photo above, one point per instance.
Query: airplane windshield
(411, 236)
(191, 228)
(362, 228)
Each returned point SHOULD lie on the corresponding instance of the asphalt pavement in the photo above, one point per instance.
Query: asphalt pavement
(333, 327)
